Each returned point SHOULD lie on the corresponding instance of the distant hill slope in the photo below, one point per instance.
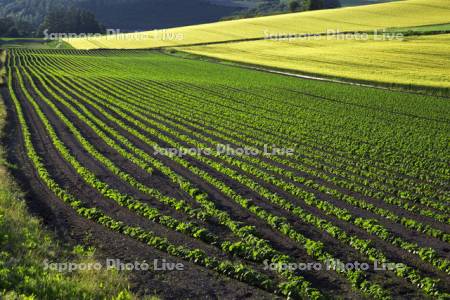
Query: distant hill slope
(414, 60)
(124, 14)
(153, 14)
(131, 15)
(32, 11)
(360, 18)
(254, 8)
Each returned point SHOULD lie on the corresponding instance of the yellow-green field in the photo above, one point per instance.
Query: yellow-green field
(415, 60)
(423, 60)
(394, 14)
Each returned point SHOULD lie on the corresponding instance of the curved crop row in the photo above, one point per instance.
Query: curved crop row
(425, 283)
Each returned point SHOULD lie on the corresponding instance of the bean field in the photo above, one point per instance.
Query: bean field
(366, 179)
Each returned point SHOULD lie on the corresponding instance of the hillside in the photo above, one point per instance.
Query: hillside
(123, 14)
(361, 18)
(32, 11)
(153, 14)
(132, 15)
(371, 60)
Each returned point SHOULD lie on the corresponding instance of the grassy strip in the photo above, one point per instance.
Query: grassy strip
(24, 246)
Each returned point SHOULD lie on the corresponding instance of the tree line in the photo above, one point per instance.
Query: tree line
(71, 20)
(10, 27)
(298, 5)
(271, 7)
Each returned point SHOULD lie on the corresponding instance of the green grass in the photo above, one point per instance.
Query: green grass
(25, 244)
(15, 39)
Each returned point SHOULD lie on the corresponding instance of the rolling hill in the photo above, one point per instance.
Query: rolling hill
(123, 14)
(132, 15)
(389, 62)
(361, 18)
(257, 41)
(153, 14)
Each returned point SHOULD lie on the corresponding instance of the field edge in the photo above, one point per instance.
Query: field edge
(394, 87)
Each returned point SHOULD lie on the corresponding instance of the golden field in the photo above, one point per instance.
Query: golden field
(362, 18)
(418, 60)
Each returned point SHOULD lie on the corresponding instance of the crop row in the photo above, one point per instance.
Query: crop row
(249, 247)
(355, 277)
(405, 194)
(162, 112)
(111, 102)
(197, 256)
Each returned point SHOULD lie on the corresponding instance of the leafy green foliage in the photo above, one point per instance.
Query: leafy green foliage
(72, 20)
(25, 245)
(333, 184)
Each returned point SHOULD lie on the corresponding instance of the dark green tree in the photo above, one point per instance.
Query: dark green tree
(332, 3)
(72, 20)
(294, 5)
(316, 4)
(15, 28)
(323, 4)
